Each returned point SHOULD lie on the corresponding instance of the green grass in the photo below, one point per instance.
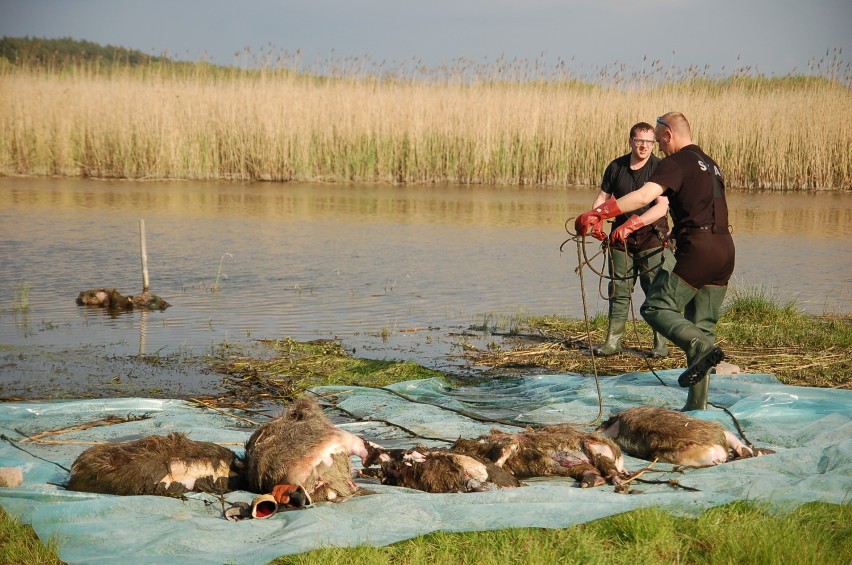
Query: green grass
(756, 317)
(741, 532)
(19, 544)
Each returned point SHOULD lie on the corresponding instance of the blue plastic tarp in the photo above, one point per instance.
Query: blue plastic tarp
(810, 428)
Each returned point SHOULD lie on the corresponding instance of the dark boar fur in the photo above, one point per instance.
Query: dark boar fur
(107, 298)
(652, 432)
(163, 465)
(302, 447)
(113, 300)
(560, 450)
(437, 470)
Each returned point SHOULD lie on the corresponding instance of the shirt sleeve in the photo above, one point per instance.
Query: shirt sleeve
(608, 182)
(669, 175)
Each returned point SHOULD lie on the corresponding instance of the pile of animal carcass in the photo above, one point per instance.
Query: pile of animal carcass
(300, 457)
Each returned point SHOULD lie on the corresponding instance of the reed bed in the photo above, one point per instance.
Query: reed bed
(202, 122)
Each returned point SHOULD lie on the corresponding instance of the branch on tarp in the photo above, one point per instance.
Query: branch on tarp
(225, 412)
(108, 420)
(14, 444)
(386, 422)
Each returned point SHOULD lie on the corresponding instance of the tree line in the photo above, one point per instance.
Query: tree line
(65, 50)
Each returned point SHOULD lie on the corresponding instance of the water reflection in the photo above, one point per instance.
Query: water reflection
(819, 214)
(324, 260)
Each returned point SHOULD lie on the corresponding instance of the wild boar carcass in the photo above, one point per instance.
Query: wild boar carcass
(653, 432)
(437, 470)
(302, 447)
(558, 450)
(163, 465)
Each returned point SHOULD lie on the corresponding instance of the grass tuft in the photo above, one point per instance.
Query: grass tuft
(758, 332)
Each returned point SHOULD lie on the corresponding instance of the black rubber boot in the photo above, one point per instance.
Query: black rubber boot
(613, 339)
(696, 399)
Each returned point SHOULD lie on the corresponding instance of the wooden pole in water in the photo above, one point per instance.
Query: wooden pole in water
(144, 256)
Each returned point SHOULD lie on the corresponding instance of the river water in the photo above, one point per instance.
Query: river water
(390, 270)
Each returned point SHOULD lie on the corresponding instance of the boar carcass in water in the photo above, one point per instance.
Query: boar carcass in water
(302, 447)
(163, 465)
(113, 300)
(436, 470)
(107, 298)
(653, 432)
(557, 450)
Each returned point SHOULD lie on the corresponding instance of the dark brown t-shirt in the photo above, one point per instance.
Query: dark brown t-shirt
(686, 177)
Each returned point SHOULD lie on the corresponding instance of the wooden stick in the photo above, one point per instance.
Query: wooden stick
(106, 421)
(209, 407)
(144, 256)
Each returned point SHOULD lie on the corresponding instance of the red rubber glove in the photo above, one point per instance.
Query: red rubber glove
(597, 232)
(633, 223)
(587, 221)
(291, 495)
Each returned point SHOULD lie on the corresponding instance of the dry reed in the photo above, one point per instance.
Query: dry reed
(164, 122)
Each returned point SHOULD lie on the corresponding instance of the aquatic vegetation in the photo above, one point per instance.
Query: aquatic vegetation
(510, 122)
(21, 299)
(219, 273)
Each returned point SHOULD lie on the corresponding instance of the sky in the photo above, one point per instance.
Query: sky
(772, 37)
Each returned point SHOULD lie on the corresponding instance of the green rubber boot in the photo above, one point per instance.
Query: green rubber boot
(613, 339)
(664, 305)
(661, 346)
(696, 398)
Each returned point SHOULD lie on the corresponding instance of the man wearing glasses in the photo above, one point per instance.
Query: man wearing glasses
(684, 304)
(641, 252)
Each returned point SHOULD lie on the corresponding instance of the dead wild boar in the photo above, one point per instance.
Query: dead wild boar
(107, 298)
(558, 450)
(436, 470)
(163, 465)
(653, 432)
(302, 447)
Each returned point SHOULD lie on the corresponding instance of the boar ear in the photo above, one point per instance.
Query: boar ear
(608, 422)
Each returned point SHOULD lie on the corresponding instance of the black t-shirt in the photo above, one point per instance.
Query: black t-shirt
(687, 182)
(619, 180)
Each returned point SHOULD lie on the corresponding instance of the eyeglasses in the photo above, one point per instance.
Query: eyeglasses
(662, 123)
(638, 141)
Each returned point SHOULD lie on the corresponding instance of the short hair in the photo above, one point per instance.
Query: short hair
(678, 123)
(641, 126)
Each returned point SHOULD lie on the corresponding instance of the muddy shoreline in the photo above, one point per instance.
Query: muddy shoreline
(95, 371)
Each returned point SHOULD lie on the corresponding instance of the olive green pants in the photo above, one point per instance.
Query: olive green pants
(682, 313)
(625, 268)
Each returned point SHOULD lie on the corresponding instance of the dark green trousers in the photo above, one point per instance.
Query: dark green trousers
(683, 313)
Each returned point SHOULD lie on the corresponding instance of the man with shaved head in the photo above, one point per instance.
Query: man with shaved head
(684, 304)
